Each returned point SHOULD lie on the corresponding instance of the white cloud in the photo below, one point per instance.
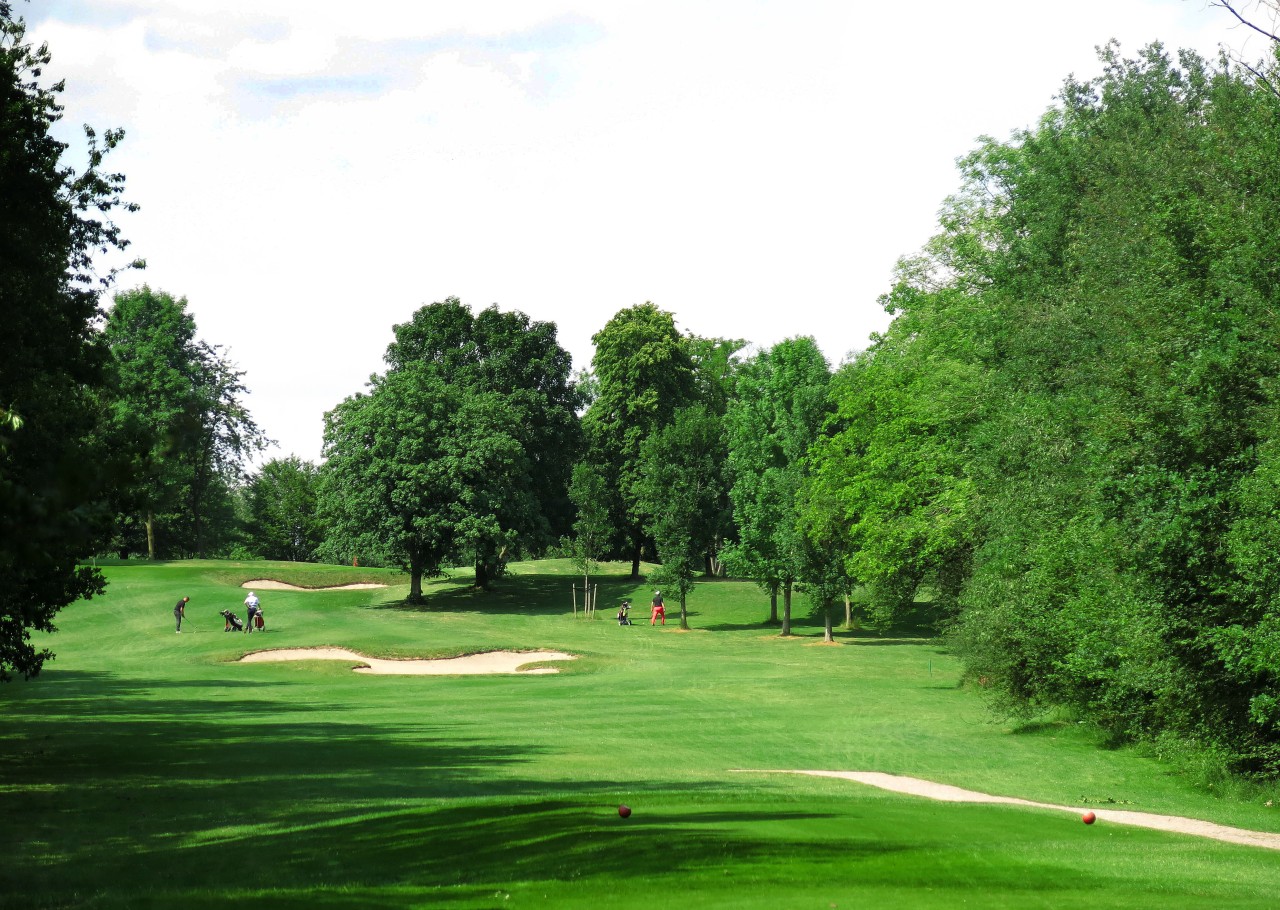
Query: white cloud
(310, 174)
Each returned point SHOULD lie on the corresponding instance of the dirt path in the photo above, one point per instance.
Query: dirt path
(469, 665)
(914, 786)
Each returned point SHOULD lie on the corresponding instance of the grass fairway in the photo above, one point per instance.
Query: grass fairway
(147, 769)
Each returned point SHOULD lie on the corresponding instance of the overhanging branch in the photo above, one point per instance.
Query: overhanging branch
(1226, 4)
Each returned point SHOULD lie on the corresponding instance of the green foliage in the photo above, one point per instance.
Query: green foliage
(716, 365)
(1067, 434)
(463, 449)
(643, 374)
(775, 415)
(283, 520)
(178, 413)
(680, 485)
(55, 466)
(591, 528)
(892, 473)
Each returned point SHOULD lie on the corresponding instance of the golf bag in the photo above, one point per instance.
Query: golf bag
(258, 621)
(233, 623)
(623, 618)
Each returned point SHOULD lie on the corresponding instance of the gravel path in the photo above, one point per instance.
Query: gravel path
(914, 786)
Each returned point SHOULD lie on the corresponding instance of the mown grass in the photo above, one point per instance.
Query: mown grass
(144, 768)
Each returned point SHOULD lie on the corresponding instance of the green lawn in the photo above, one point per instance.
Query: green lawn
(144, 768)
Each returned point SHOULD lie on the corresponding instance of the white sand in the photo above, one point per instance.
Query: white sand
(471, 664)
(267, 584)
(914, 786)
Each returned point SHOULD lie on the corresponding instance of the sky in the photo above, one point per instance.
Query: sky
(311, 173)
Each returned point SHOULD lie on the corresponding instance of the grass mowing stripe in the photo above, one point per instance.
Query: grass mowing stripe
(149, 769)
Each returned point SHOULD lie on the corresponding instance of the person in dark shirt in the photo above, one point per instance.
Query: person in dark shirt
(659, 609)
(180, 612)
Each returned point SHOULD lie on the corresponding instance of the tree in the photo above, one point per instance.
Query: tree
(716, 365)
(775, 415)
(1068, 432)
(464, 446)
(1269, 33)
(283, 519)
(680, 488)
(180, 403)
(591, 528)
(54, 472)
(644, 374)
(893, 469)
(383, 489)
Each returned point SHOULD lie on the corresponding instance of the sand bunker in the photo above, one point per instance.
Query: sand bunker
(266, 584)
(914, 786)
(470, 665)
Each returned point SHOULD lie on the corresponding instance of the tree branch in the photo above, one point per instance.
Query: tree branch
(1226, 4)
(1261, 78)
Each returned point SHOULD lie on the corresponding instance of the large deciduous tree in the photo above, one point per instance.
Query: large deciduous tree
(643, 374)
(180, 403)
(463, 447)
(775, 415)
(716, 363)
(681, 488)
(283, 522)
(54, 471)
(384, 489)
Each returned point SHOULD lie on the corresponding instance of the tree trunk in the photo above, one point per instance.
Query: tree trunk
(786, 609)
(773, 603)
(826, 620)
(482, 574)
(684, 617)
(199, 487)
(415, 580)
(848, 611)
(151, 534)
(635, 561)
(416, 570)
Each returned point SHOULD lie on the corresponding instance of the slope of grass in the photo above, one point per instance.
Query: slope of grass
(144, 768)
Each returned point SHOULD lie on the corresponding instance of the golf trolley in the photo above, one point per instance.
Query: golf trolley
(623, 618)
(233, 623)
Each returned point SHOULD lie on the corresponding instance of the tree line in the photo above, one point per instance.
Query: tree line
(1068, 439)
(1070, 433)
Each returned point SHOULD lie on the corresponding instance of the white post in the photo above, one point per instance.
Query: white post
(575, 600)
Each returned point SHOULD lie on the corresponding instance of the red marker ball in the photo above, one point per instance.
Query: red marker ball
(1088, 818)
(624, 811)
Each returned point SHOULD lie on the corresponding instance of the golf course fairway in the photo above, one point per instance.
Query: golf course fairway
(145, 768)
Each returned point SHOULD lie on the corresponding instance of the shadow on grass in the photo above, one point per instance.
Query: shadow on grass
(142, 796)
(525, 595)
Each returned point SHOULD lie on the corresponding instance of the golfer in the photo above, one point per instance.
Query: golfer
(251, 603)
(180, 612)
(659, 610)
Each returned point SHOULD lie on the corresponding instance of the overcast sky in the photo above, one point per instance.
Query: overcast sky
(310, 173)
